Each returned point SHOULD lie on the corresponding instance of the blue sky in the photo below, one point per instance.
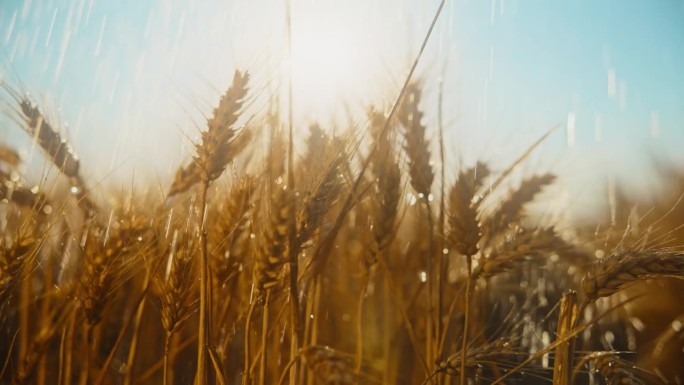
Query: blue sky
(129, 80)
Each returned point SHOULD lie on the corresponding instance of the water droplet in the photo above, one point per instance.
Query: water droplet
(422, 276)
(445, 251)
(47, 209)
(74, 189)
(252, 236)
(609, 336)
(677, 326)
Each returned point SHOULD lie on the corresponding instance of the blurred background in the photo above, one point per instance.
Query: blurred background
(129, 82)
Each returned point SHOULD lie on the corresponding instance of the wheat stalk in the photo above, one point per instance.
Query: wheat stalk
(465, 233)
(217, 148)
(564, 353)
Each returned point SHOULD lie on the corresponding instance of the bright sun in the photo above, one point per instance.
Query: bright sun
(328, 67)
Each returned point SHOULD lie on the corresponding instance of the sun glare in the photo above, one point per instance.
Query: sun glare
(328, 67)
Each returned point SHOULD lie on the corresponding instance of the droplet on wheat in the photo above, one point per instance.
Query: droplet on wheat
(610, 337)
(422, 276)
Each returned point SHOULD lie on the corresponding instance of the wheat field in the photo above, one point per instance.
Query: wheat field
(351, 260)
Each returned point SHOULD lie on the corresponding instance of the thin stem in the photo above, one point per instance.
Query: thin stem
(122, 332)
(386, 336)
(87, 344)
(407, 323)
(313, 340)
(44, 311)
(167, 346)
(175, 348)
(133, 348)
(359, 322)
(248, 321)
(432, 330)
(272, 328)
(24, 308)
(464, 343)
(201, 376)
(289, 365)
(441, 258)
(264, 339)
(66, 351)
(296, 331)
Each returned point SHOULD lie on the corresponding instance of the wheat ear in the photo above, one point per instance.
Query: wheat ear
(317, 205)
(511, 209)
(58, 150)
(416, 144)
(525, 245)
(626, 268)
(613, 369)
(217, 147)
